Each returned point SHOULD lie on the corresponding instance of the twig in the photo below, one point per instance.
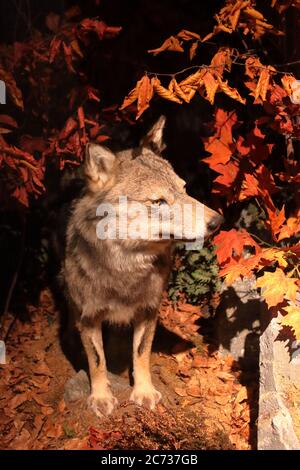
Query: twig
(5, 335)
(234, 62)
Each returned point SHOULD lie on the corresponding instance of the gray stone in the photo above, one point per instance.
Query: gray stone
(238, 322)
(279, 373)
(77, 387)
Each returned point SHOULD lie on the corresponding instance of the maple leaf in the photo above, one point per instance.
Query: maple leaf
(276, 287)
(220, 153)
(228, 173)
(232, 243)
(292, 319)
(241, 268)
(260, 183)
(272, 255)
(276, 220)
(291, 228)
(219, 145)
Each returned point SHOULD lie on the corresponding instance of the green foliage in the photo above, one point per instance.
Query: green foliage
(197, 276)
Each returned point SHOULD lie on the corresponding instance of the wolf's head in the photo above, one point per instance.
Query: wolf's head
(145, 193)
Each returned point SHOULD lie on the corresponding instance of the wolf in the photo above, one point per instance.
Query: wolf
(121, 279)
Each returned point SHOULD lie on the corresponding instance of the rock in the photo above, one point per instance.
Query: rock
(77, 387)
(237, 322)
(279, 376)
(118, 383)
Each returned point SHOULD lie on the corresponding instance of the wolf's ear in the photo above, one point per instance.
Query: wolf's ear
(154, 138)
(99, 166)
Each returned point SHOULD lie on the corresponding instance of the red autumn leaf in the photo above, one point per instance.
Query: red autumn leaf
(80, 113)
(231, 244)
(219, 145)
(54, 49)
(220, 153)
(277, 219)
(228, 173)
(8, 120)
(291, 228)
(241, 268)
(68, 57)
(260, 183)
(70, 127)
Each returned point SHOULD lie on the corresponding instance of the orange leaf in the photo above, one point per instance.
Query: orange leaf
(236, 269)
(220, 153)
(130, 98)
(292, 319)
(232, 243)
(145, 93)
(188, 35)
(193, 49)
(231, 92)
(253, 67)
(164, 92)
(228, 173)
(291, 228)
(170, 44)
(175, 88)
(54, 48)
(220, 143)
(276, 287)
(222, 60)
(68, 56)
(80, 113)
(276, 220)
(211, 86)
(274, 255)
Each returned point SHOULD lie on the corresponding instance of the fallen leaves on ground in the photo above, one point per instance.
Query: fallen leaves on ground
(204, 407)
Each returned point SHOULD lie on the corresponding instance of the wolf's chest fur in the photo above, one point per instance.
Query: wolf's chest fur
(110, 279)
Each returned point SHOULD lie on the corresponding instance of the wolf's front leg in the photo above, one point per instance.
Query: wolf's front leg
(101, 399)
(143, 390)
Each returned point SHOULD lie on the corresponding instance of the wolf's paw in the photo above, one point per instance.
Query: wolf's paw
(145, 395)
(102, 403)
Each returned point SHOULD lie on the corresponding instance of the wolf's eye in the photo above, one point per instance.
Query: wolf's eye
(159, 202)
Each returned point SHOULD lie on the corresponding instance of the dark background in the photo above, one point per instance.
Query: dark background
(113, 66)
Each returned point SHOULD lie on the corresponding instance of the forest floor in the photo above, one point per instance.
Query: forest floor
(205, 405)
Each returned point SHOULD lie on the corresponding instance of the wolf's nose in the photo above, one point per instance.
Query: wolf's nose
(215, 223)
